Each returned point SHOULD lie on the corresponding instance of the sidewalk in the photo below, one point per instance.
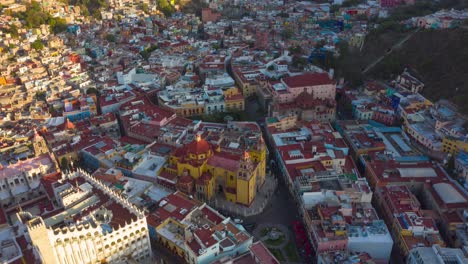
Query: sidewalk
(259, 203)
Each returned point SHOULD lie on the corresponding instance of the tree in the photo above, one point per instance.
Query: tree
(97, 14)
(90, 7)
(13, 30)
(57, 25)
(295, 50)
(152, 48)
(349, 3)
(37, 44)
(299, 62)
(41, 96)
(145, 54)
(92, 90)
(110, 37)
(144, 7)
(64, 163)
(165, 7)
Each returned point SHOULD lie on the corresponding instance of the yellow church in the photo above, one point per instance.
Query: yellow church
(206, 170)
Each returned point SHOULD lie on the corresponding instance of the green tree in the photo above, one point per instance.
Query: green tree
(64, 163)
(92, 90)
(349, 3)
(41, 96)
(97, 14)
(295, 50)
(152, 48)
(110, 37)
(84, 10)
(299, 62)
(193, 7)
(13, 30)
(165, 7)
(144, 7)
(57, 25)
(37, 44)
(145, 54)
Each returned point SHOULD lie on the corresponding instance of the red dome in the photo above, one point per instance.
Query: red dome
(198, 146)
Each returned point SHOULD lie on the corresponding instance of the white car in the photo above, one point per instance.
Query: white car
(238, 221)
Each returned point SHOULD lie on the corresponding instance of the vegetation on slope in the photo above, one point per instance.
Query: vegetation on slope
(34, 16)
(440, 57)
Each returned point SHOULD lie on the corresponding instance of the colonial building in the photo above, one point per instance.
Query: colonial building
(204, 169)
(310, 95)
(91, 224)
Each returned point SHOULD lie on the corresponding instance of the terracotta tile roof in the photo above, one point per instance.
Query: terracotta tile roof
(308, 79)
(212, 216)
(262, 254)
(48, 181)
(224, 161)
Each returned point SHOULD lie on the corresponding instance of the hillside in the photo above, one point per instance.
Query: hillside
(441, 59)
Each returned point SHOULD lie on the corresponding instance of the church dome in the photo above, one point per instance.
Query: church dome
(198, 146)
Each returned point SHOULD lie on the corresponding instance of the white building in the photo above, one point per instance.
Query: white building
(373, 239)
(94, 224)
(126, 77)
(20, 179)
(436, 255)
(10, 250)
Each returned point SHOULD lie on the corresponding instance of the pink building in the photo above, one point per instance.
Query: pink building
(320, 85)
(310, 95)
